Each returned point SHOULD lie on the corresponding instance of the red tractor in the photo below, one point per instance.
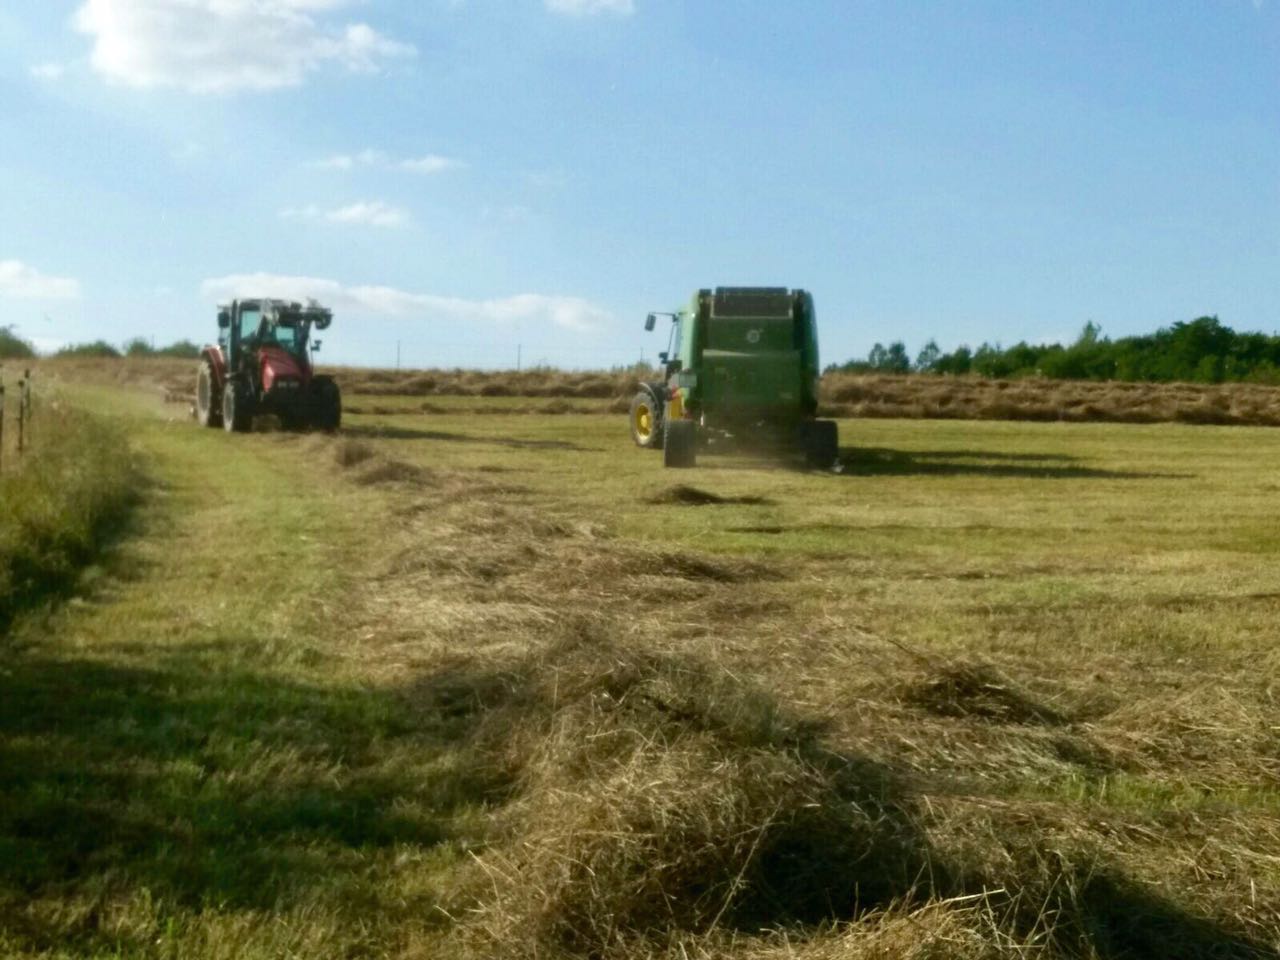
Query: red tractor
(262, 365)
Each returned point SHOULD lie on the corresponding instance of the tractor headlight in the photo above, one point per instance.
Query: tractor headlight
(686, 379)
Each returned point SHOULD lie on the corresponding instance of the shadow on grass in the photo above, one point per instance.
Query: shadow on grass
(848, 844)
(207, 788)
(413, 433)
(882, 461)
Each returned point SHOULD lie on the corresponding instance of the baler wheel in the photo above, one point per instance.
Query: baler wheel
(646, 421)
(680, 448)
(821, 444)
(208, 403)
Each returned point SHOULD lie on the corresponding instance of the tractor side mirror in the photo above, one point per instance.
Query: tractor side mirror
(662, 357)
(224, 319)
(650, 321)
(315, 345)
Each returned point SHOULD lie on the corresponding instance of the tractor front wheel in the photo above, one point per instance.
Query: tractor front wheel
(208, 403)
(326, 409)
(646, 421)
(680, 447)
(237, 415)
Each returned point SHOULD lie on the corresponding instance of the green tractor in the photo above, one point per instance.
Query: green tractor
(741, 365)
(262, 365)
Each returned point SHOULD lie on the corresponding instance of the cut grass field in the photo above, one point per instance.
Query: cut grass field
(450, 685)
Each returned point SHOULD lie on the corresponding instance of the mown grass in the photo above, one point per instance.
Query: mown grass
(455, 686)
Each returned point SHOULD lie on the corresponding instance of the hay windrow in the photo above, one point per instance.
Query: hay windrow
(687, 496)
(659, 796)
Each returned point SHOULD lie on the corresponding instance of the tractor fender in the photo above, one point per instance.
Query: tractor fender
(658, 390)
(214, 356)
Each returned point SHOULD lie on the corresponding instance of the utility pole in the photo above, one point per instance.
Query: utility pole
(519, 348)
(397, 356)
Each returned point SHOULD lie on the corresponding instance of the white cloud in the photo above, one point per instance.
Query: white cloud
(586, 8)
(48, 71)
(21, 281)
(372, 213)
(216, 46)
(431, 163)
(573, 313)
(428, 164)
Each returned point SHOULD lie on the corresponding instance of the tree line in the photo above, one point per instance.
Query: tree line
(1203, 350)
(14, 347)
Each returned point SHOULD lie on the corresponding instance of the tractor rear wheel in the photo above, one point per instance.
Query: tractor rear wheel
(646, 421)
(821, 443)
(680, 446)
(326, 404)
(237, 415)
(208, 403)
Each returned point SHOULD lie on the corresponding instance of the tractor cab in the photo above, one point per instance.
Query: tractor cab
(246, 326)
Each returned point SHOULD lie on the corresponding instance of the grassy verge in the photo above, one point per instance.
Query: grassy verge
(70, 490)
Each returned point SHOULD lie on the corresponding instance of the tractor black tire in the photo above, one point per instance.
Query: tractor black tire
(326, 404)
(646, 421)
(680, 445)
(821, 443)
(208, 397)
(237, 409)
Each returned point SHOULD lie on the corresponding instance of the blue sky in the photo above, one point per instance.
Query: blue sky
(466, 177)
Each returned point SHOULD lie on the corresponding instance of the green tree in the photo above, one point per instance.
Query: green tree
(928, 357)
(13, 347)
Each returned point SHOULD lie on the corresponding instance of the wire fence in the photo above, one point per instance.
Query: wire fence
(15, 407)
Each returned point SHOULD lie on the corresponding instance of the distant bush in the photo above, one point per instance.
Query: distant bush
(13, 347)
(98, 348)
(141, 347)
(183, 349)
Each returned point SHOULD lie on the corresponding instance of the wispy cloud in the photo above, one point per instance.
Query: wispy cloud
(48, 70)
(20, 281)
(572, 313)
(430, 163)
(587, 8)
(218, 46)
(372, 213)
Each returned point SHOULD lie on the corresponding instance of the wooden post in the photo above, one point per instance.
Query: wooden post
(22, 415)
(1, 423)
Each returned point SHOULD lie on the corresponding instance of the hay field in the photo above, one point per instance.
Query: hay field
(548, 391)
(462, 685)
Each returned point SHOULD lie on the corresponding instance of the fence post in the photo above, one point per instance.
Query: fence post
(22, 415)
(1, 424)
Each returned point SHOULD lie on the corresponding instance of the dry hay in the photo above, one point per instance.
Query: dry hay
(657, 796)
(652, 803)
(977, 690)
(687, 496)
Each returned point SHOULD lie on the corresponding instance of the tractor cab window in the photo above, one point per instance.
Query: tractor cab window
(249, 321)
(291, 334)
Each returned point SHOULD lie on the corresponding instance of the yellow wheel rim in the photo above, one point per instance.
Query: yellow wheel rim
(644, 421)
